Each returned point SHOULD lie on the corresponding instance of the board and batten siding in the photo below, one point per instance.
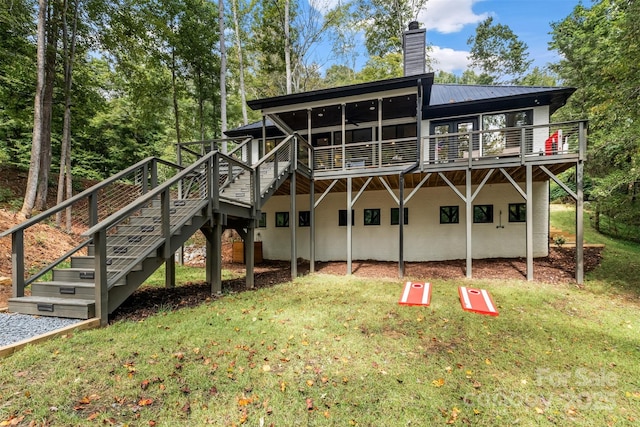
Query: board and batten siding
(425, 238)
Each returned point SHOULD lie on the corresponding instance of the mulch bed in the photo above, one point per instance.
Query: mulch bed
(558, 267)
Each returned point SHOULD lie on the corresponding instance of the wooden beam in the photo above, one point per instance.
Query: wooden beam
(514, 183)
(324, 194)
(484, 181)
(312, 229)
(559, 182)
(420, 184)
(455, 190)
(355, 199)
(386, 185)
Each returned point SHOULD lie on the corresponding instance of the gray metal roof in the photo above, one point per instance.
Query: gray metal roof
(442, 94)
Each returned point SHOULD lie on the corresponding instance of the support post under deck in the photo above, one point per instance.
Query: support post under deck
(579, 224)
(170, 272)
(292, 226)
(312, 228)
(349, 228)
(529, 186)
(469, 222)
(249, 254)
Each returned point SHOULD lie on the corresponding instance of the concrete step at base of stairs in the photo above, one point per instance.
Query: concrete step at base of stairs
(66, 290)
(56, 307)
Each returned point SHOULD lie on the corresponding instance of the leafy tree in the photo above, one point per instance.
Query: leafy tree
(498, 53)
(600, 51)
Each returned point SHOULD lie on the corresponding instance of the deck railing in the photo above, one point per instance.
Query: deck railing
(81, 212)
(524, 143)
(365, 154)
(527, 143)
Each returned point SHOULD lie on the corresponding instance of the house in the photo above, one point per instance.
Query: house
(408, 170)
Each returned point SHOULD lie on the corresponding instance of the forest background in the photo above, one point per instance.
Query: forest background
(89, 87)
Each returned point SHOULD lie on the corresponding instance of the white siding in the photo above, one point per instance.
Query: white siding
(425, 238)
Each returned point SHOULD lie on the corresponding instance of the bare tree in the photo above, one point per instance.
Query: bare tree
(53, 18)
(69, 50)
(287, 44)
(223, 71)
(36, 144)
(238, 39)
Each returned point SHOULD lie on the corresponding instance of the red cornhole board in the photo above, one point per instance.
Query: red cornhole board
(477, 301)
(416, 294)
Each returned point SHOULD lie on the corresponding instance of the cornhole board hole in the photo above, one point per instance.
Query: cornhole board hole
(416, 293)
(477, 301)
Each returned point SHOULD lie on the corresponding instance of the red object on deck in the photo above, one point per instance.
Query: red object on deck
(477, 301)
(416, 294)
(551, 144)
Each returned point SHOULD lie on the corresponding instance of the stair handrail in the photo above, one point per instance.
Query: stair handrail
(256, 167)
(88, 192)
(19, 282)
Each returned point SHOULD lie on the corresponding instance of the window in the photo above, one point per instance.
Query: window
(372, 217)
(342, 218)
(395, 216)
(449, 214)
(517, 212)
(262, 222)
(483, 214)
(304, 219)
(398, 131)
(282, 219)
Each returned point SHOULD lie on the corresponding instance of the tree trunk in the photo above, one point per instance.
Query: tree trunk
(69, 50)
(34, 164)
(176, 113)
(223, 74)
(47, 104)
(287, 44)
(243, 96)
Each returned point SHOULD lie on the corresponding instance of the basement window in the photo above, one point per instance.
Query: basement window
(282, 219)
(449, 214)
(262, 222)
(304, 219)
(483, 214)
(342, 217)
(372, 217)
(517, 212)
(395, 216)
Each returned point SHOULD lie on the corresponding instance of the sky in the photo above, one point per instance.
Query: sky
(450, 23)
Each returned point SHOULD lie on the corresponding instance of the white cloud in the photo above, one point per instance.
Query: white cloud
(449, 16)
(449, 60)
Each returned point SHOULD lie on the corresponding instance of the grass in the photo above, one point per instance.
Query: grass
(328, 350)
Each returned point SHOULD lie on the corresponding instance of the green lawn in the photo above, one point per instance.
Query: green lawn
(327, 350)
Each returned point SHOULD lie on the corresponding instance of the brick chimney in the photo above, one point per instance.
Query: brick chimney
(414, 45)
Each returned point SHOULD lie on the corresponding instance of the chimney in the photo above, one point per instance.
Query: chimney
(414, 46)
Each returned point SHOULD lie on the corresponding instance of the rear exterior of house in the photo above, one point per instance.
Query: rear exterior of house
(408, 170)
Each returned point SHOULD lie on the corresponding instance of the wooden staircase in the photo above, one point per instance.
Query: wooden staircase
(123, 246)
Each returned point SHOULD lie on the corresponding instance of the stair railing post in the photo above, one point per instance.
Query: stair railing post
(93, 209)
(100, 277)
(214, 190)
(17, 263)
(144, 178)
(165, 199)
(257, 191)
(154, 173)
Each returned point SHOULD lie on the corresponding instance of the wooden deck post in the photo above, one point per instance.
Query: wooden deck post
(579, 222)
(312, 228)
(292, 226)
(401, 228)
(529, 186)
(469, 222)
(349, 228)
(170, 272)
(249, 254)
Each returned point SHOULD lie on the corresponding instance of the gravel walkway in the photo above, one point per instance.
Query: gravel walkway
(16, 327)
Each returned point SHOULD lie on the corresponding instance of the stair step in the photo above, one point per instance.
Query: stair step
(66, 290)
(56, 307)
(73, 275)
(79, 275)
(89, 262)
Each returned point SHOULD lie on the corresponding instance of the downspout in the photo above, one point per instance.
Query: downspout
(410, 169)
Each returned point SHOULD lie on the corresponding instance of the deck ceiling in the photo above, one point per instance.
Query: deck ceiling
(457, 177)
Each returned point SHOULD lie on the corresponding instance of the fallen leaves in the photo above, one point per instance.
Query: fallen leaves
(438, 382)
